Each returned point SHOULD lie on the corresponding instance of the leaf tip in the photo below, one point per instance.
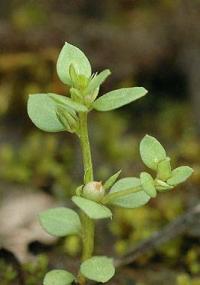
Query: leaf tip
(147, 136)
(67, 44)
(190, 170)
(108, 71)
(29, 96)
(145, 91)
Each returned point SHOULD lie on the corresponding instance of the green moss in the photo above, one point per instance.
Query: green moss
(35, 271)
(7, 273)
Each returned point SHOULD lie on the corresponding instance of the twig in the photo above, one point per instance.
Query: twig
(172, 230)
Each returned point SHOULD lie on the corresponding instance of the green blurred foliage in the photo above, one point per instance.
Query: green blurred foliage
(186, 279)
(39, 159)
(130, 227)
(35, 271)
(28, 15)
(7, 273)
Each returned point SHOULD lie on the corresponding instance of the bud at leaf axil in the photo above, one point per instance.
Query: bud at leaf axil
(93, 191)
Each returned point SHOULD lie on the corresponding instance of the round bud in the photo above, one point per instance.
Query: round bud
(93, 191)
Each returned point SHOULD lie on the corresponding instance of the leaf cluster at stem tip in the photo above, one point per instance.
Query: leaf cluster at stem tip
(53, 113)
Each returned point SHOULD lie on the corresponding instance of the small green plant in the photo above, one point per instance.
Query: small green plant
(53, 113)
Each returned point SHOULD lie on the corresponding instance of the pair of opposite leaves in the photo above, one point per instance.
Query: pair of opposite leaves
(42, 108)
(96, 268)
(151, 151)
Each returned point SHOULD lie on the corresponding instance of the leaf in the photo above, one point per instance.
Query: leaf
(58, 277)
(118, 98)
(151, 151)
(147, 183)
(179, 175)
(98, 268)
(93, 209)
(72, 55)
(73, 75)
(66, 101)
(68, 119)
(60, 221)
(98, 80)
(111, 180)
(133, 200)
(164, 170)
(42, 112)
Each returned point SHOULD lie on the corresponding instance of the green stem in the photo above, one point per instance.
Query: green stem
(85, 146)
(87, 223)
(120, 194)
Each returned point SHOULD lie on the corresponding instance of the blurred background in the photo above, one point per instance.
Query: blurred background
(155, 44)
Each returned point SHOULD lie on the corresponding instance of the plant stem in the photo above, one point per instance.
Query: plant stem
(119, 194)
(87, 223)
(85, 146)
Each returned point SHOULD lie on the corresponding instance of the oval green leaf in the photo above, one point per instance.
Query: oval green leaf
(60, 221)
(133, 200)
(93, 209)
(151, 151)
(118, 98)
(58, 277)
(147, 184)
(98, 268)
(42, 112)
(179, 175)
(72, 55)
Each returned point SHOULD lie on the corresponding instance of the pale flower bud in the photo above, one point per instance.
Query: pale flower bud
(93, 191)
